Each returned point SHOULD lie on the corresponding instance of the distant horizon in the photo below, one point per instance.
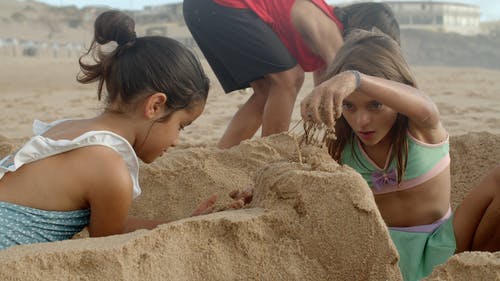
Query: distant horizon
(488, 9)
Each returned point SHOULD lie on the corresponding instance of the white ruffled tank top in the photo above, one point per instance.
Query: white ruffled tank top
(40, 147)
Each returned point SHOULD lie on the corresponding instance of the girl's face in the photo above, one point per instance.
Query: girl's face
(370, 120)
(164, 135)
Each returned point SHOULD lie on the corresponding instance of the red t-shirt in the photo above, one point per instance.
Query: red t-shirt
(277, 13)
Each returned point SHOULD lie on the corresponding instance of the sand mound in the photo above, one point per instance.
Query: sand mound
(468, 266)
(311, 221)
(294, 230)
(472, 156)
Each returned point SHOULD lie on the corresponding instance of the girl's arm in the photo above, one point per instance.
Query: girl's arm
(423, 115)
(240, 199)
(109, 193)
(134, 223)
(110, 196)
(402, 98)
(324, 104)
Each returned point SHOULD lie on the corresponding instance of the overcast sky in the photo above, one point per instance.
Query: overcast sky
(490, 9)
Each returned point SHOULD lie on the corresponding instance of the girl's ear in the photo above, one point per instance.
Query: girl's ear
(154, 105)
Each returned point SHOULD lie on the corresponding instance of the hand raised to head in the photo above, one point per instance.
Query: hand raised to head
(324, 103)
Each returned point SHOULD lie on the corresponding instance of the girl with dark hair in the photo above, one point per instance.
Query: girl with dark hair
(78, 173)
(268, 45)
(391, 133)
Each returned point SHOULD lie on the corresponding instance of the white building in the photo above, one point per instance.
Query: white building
(437, 16)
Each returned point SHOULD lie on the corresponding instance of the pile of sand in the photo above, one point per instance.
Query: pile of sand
(311, 221)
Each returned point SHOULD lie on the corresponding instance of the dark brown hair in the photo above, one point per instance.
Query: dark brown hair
(376, 54)
(368, 15)
(141, 66)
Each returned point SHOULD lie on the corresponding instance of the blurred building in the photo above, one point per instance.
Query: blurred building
(165, 13)
(164, 20)
(437, 16)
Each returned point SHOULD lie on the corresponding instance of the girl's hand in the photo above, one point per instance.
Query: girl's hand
(324, 103)
(207, 206)
(244, 196)
(240, 199)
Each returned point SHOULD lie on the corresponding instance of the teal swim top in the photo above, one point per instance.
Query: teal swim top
(424, 162)
(24, 225)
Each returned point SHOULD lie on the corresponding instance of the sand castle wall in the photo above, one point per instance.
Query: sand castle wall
(472, 156)
(310, 221)
(468, 266)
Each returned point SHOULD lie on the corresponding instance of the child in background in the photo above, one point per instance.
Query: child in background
(391, 133)
(268, 45)
(78, 173)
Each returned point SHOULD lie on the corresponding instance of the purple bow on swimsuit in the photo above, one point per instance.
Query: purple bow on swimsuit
(383, 178)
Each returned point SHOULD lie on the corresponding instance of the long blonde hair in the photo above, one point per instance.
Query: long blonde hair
(376, 54)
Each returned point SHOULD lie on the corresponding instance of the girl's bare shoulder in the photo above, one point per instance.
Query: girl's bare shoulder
(434, 135)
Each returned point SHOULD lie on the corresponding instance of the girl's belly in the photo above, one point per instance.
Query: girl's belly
(420, 205)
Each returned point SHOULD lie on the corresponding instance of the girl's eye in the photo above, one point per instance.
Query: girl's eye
(347, 106)
(375, 105)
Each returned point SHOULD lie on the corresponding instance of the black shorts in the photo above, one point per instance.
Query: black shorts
(237, 44)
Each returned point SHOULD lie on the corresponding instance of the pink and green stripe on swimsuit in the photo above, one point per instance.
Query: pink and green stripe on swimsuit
(424, 162)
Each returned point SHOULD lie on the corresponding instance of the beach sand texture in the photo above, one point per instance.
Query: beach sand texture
(311, 221)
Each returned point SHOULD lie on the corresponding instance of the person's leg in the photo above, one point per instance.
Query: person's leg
(244, 51)
(283, 89)
(248, 118)
(270, 105)
(477, 219)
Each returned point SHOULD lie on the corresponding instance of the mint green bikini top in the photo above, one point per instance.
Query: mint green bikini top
(424, 162)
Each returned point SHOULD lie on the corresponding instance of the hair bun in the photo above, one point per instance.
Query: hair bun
(114, 26)
(123, 41)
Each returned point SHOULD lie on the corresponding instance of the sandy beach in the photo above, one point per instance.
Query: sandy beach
(46, 89)
(313, 220)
